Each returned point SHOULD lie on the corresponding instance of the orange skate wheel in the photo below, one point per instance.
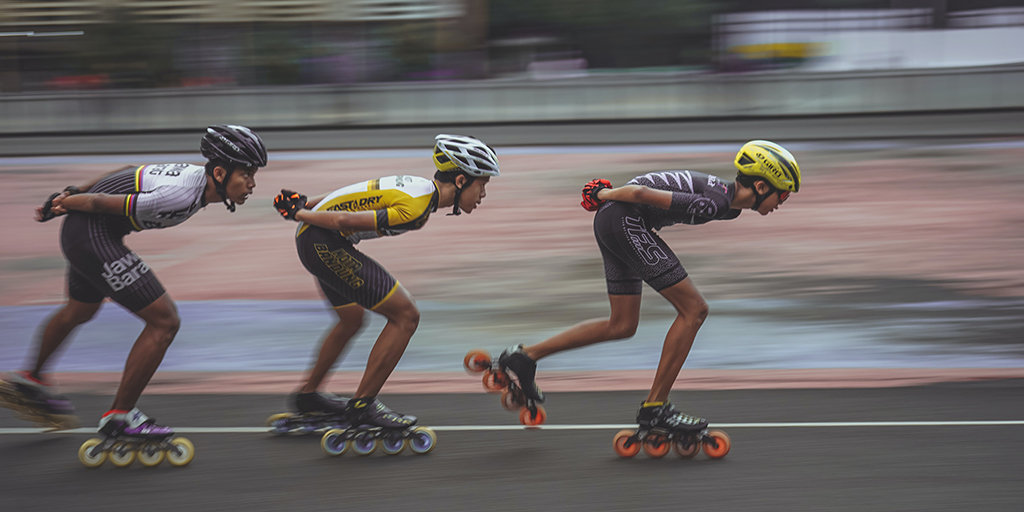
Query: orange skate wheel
(619, 443)
(721, 439)
(495, 381)
(686, 451)
(477, 360)
(656, 446)
(531, 420)
(510, 401)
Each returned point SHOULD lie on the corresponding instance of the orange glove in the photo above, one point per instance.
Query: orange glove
(288, 203)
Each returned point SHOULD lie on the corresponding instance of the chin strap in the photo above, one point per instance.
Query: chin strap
(456, 211)
(223, 192)
(759, 198)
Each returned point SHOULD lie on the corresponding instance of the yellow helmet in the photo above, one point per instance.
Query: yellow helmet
(768, 160)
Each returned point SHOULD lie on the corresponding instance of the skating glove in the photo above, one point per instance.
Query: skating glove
(590, 201)
(288, 203)
(47, 212)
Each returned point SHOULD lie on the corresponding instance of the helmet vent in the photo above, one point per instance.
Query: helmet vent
(746, 160)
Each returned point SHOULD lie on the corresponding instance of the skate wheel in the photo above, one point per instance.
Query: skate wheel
(686, 448)
(532, 420)
(150, 455)
(511, 401)
(620, 442)
(422, 440)
(365, 443)
(334, 442)
(656, 446)
(122, 455)
(88, 455)
(393, 443)
(477, 361)
(278, 423)
(181, 452)
(719, 438)
(495, 381)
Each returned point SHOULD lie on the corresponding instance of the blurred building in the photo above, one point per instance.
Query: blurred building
(870, 39)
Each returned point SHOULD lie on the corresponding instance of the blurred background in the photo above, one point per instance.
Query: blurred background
(898, 262)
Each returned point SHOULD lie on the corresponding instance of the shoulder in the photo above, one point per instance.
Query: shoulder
(413, 186)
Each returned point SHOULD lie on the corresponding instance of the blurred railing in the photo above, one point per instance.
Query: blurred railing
(635, 96)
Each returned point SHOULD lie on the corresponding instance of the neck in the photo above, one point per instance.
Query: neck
(445, 194)
(210, 195)
(743, 199)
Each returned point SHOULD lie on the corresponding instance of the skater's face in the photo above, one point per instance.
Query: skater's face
(473, 193)
(773, 201)
(241, 184)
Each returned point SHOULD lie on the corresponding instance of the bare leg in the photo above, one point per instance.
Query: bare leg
(350, 321)
(403, 318)
(59, 326)
(162, 324)
(692, 310)
(625, 316)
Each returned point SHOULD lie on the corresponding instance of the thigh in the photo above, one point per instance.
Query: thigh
(345, 274)
(102, 265)
(623, 233)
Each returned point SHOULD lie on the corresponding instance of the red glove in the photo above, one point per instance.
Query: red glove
(590, 201)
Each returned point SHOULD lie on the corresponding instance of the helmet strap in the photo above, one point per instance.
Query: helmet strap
(221, 187)
(455, 210)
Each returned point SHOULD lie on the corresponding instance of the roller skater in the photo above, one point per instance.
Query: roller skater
(633, 253)
(329, 227)
(98, 215)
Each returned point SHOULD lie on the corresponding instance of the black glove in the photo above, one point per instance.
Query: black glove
(288, 203)
(48, 205)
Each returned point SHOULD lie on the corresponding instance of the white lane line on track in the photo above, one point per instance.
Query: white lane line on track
(484, 428)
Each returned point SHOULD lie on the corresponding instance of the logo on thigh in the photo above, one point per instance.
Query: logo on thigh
(643, 241)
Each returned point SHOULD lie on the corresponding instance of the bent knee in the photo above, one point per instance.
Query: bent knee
(407, 318)
(699, 313)
(622, 330)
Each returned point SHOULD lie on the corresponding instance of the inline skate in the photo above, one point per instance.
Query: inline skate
(132, 435)
(512, 374)
(662, 428)
(33, 400)
(372, 424)
(313, 412)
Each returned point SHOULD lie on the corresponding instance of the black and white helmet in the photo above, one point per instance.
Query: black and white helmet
(464, 153)
(234, 144)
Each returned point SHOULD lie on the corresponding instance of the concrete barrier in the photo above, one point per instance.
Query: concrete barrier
(654, 96)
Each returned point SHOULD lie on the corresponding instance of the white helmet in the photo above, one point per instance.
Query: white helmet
(464, 153)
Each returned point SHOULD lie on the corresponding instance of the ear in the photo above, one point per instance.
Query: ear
(219, 173)
(460, 181)
(761, 187)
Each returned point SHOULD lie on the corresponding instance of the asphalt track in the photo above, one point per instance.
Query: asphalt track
(792, 450)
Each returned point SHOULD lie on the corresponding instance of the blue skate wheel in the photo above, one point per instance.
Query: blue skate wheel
(334, 443)
(365, 443)
(422, 440)
(393, 443)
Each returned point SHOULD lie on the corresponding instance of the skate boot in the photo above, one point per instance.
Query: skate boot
(373, 424)
(662, 427)
(131, 434)
(313, 411)
(33, 400)
(513, 374)
(521, 371)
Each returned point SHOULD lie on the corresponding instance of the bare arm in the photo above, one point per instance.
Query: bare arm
(637, 194)
(339, 221)
(313, 201)
(91, 203)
